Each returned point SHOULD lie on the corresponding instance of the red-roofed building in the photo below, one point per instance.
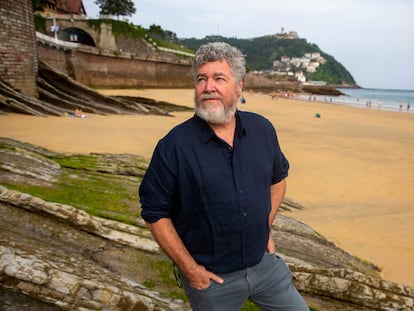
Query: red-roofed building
(74, 7)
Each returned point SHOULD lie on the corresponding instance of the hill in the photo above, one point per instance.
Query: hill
(262, 52)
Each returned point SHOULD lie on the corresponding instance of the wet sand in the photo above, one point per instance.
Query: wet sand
(352, 168)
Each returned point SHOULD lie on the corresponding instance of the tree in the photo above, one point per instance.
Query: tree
(38, 5)
(116, 7)
(157, 32)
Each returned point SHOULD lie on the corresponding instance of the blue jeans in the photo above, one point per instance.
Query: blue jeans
(268, 284)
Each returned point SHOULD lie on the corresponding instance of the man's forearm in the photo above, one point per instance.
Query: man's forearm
(167, 237)
(277, 193)
(169, 240)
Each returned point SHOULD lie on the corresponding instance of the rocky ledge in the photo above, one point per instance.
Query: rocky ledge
(54, 256)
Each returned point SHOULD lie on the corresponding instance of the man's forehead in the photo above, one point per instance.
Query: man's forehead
(219, 67)
(212, 73)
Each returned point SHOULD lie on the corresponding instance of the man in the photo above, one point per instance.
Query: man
(211, 193)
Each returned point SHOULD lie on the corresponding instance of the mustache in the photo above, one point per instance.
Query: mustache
(209, 96)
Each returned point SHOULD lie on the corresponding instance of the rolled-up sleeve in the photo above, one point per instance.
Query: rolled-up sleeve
(280, 169)
(280, 162)
(157, 190)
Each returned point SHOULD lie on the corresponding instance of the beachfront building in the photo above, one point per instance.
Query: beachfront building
(300, 76)
(296, 66)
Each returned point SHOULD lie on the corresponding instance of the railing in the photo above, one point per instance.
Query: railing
(56, 42)
(174, 51)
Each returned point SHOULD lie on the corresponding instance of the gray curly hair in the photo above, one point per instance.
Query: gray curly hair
(217, 51)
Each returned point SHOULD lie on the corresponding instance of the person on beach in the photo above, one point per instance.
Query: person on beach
(212, 191)
(243, 102)
(79, 113)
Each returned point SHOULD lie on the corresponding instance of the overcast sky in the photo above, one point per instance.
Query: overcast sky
(373, 39)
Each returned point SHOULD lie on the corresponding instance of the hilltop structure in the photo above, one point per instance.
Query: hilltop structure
(287, 35)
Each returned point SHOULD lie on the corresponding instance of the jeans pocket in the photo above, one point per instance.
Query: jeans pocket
(203, 289)
(271, 254)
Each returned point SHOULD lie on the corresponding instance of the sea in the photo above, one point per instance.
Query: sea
(385, 99)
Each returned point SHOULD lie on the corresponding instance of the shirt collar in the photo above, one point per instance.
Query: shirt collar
(240, 125)
(206, 133)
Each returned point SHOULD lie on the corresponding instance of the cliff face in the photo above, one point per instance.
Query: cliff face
(57, 257)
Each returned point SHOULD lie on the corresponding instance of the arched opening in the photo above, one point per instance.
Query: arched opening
(76, 35)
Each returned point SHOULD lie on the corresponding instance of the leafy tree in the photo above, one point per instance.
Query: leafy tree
(157, 32)
(38, 5)
(116, 7)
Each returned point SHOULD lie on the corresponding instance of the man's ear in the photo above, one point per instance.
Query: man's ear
(241, 86)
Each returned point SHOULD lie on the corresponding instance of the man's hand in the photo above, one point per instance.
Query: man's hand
(277, 192)
(199, 278)
(271, 247)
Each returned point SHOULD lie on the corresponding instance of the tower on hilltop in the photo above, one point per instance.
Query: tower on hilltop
(287, 35)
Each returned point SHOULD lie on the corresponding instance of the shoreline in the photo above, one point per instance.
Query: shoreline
(353, 105)
(351, 168)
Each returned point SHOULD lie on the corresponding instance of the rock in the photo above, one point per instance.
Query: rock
(49, 260)
(297, 240)
(14, 165)
(111, 230)
(322, 90)
(73, 284)
(353, 287)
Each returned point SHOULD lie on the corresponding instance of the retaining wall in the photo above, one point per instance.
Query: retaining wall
(18, 50)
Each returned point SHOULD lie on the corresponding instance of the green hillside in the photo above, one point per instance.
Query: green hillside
(261, 52)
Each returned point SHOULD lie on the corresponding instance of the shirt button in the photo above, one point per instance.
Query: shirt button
(244, 214)
(240, 191)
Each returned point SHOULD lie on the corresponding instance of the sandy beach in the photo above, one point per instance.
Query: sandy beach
(352, 168)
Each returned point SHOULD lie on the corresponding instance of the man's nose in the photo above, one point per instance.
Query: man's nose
(210, 85)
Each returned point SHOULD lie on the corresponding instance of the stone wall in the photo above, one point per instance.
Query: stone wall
(54, 57)
(108, 71)
(18, 54)
(95, 68)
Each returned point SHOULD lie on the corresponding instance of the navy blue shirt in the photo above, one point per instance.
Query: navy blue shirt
(217, 197)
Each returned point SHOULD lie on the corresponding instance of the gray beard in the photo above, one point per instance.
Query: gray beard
(219, 116)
